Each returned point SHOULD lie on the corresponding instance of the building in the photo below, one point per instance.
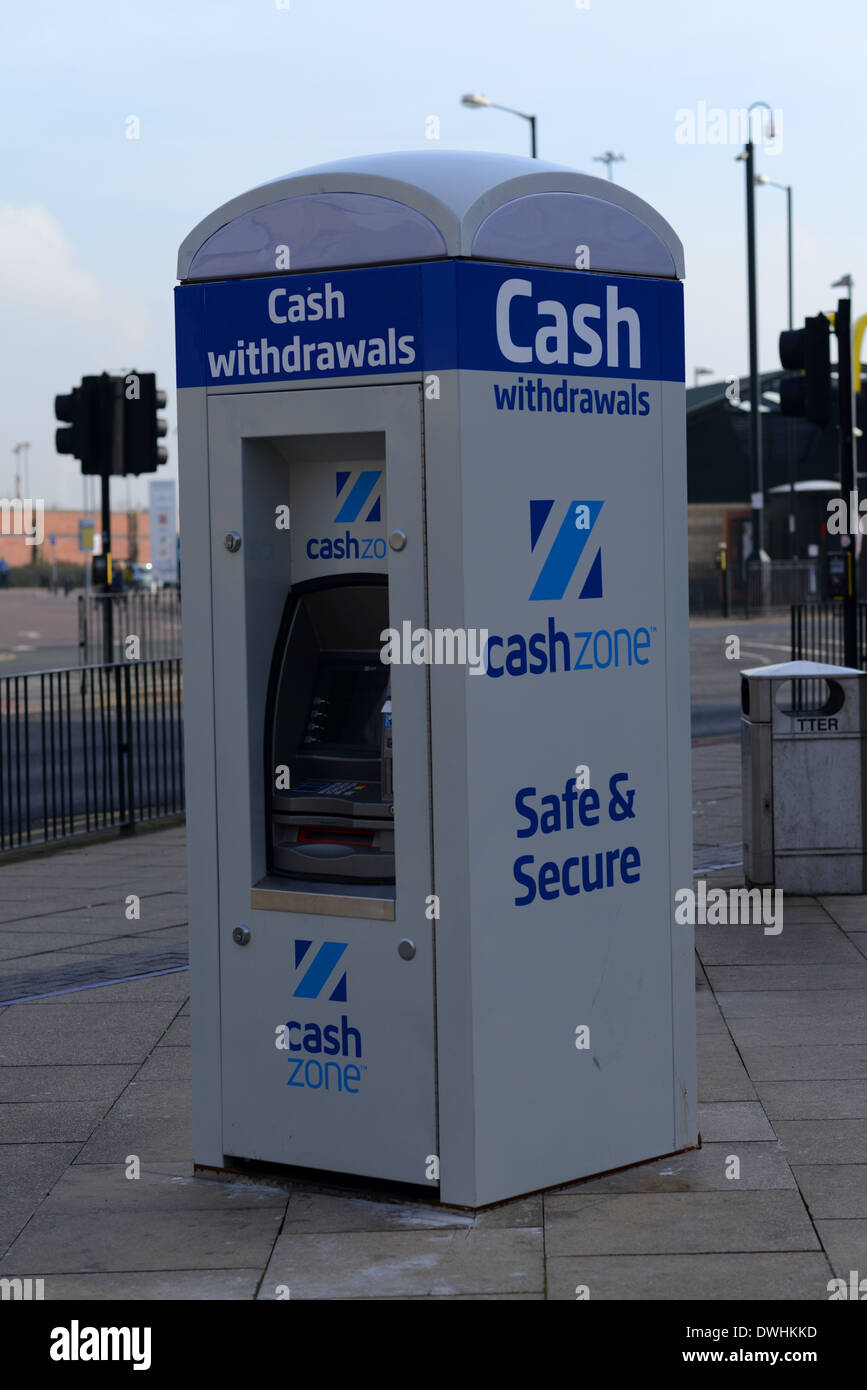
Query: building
(801, 472)
(130, 533)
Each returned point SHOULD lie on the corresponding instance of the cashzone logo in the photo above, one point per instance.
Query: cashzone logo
(321, 977)
(550, 649)
(565, 550)
(359, 497)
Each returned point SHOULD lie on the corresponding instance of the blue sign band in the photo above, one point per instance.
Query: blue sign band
(434, 317)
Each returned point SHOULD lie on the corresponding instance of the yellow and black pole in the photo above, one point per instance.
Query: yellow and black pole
(107, 624)
(858, 336)
(723, 565)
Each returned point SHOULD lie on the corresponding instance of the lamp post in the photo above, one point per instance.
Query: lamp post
(608, 158)
(763, 181)
(700, 372)
(756, 471)
(475, 99)
(18, 450)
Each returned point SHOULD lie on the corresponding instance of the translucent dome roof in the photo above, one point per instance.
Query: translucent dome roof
(432, 205)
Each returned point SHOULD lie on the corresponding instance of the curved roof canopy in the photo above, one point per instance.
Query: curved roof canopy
(431, 205)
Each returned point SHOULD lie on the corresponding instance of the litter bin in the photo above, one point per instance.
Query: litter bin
(432, 476)
(803, 730)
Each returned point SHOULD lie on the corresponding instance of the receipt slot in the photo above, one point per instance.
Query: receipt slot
(432, 462)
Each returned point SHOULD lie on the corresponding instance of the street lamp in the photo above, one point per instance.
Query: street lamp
(763, 181)
(699, 372)
(608, 158)
(476, 99)
(17, 450)
(756, 472)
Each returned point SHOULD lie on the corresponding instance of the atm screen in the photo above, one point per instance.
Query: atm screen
(345, 713)
(328, 725)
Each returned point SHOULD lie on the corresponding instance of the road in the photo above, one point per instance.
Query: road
(715, 677)
(38, 630)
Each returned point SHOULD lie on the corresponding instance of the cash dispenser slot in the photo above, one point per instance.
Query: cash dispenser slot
(330, 817)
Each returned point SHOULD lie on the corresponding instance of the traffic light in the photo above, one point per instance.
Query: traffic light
(112, 424)
(82, 411)
(142, 426)
(807, 350)
(89, 413)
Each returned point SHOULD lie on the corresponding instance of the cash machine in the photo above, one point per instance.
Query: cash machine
(433, 505)
(328, 722)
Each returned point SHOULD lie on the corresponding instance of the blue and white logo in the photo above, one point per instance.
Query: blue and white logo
(357, 495)
(565, 550)
(320, 970)
(327, 1055)
(359, 502)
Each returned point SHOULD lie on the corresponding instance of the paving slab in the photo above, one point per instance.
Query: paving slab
(823, 1141)
(803, 945)
(833, 1189)
(178, 1035)
(721, 1073)
(63, 1083)
(844, 907)
(762, 1165)
(161, 1187)
(829, 1061)
(150, 1119)
(845, 1244)
(146, 989)
(108, 920)
(814, 1100)
(677, 1223)
(805, 1003)
(49, 1122)
(76, 1032)
(172, 1285)
(709, 1021)
(79, 954)
(68, 1243)
(525, 1211)
(709, 1278)
(728, 1121)
(167, 1064)
(29, 1171)
(308, 1212)
(28, 945)
(397, 1264)
(823, 1029)
(848, 974)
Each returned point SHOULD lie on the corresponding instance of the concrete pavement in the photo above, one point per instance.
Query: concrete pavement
(92, 1077)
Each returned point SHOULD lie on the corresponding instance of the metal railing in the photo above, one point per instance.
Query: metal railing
(777, 584)
(705, 590)
(817, 633)
(152, 616)
(89, 748)
(765, 588)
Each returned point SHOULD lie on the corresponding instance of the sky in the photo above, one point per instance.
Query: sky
(229, 94)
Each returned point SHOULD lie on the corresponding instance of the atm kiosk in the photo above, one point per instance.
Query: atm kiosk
(429, 404)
